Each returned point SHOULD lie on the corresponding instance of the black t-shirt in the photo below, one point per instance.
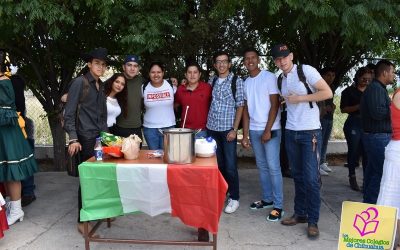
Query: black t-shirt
(351, 96)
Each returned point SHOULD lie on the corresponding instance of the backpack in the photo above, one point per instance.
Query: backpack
(83, 95)
(233, 89)
(302, 78)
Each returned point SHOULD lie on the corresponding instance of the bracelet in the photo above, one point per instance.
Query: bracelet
(234, 129)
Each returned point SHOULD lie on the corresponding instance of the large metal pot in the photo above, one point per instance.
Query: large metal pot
(179, 145)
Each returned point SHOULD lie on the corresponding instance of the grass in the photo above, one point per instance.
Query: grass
(43, 135)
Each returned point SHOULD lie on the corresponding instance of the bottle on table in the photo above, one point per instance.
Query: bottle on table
(98, 150)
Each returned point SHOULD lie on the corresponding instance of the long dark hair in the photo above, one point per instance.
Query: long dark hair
(122, 97)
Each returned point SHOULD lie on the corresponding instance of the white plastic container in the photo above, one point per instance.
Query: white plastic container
(205, 147)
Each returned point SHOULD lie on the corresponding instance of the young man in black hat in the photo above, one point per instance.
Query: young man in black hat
(302, 134)
(86, 117)
(132, 123)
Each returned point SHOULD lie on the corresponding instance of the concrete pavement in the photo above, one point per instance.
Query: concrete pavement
(50, 221)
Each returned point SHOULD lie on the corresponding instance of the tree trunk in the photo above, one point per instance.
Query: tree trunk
(59, 141)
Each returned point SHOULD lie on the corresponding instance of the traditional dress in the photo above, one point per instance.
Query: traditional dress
(389, 193)
(16, 156)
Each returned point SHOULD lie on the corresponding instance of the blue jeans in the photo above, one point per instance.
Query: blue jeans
(268, 163)
(374, 144)
(28, 185)
(353, 132)
(326, 125)
(154, 139)
(227, 161)
(304, 162)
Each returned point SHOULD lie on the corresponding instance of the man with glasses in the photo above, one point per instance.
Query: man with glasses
(86, 117)
(376, 123)
(223, 122)
(132, 123)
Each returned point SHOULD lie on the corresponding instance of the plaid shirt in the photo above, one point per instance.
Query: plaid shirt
(221, 115)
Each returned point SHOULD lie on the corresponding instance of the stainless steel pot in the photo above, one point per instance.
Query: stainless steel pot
(179, 145)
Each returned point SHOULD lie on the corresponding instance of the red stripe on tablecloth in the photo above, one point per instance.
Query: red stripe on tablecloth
(197, 197)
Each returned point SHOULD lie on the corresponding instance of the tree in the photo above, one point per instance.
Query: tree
(323, 33)
(47, 37)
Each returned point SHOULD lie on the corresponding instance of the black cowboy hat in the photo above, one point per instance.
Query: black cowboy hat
(98, 53)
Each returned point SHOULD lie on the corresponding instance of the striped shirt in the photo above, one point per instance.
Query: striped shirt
(223, 105)
(375, 111)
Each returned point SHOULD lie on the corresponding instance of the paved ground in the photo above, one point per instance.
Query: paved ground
(50, 222)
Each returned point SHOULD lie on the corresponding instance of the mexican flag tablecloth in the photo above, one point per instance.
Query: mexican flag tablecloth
(195, 194)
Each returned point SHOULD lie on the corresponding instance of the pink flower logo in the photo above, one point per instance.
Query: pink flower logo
(366, 222)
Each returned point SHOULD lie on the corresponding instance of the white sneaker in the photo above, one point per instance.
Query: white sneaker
(324, 166)
(322, 172)
(232, 206)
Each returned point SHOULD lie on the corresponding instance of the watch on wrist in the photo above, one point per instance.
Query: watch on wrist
(234, 129)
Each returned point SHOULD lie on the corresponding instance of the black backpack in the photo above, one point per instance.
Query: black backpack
(233, 89)
(302, 78)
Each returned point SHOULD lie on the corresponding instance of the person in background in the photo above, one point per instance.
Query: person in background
(389, 192)
(263, 128)
(195, 97)
(132, 122)
(16, 159)
(116, 93)
(158, 99)
(327, 109)
(83, 126)
(223, 123)
(377, 128)
(28, 185)
(350, 104)
(302, 135)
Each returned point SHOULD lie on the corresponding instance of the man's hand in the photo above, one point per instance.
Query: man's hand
(294, 99)
(245, 142)
(231, 135)
(74, 148)
(266, 136)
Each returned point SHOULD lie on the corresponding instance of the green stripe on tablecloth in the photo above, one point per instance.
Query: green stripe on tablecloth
(100, 195)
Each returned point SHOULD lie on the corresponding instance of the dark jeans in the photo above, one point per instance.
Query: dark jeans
(326, 125)
(28, 185)
(227, 161)
(374, 144)
(353, 132)
(85, 154)
(303, 160)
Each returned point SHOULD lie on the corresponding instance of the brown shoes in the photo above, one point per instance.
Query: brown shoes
(312, 230)
(294, 220)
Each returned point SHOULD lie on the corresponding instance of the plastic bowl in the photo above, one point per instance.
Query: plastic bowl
(114, 151)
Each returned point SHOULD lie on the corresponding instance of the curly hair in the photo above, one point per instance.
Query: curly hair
(122, 97)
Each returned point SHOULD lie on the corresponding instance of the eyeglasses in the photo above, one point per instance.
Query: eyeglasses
(222, 62)
(365, 79)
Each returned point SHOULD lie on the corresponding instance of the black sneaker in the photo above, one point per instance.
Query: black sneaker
(261, 204)
(275, 215)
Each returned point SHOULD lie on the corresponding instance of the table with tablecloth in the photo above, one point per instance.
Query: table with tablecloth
(195, 193)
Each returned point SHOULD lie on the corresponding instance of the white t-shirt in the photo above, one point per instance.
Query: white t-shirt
(257, 91)
(159, 105)
(300, 116)
(113, 110)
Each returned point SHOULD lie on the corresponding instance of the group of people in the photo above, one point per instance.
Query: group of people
(128, 103)
(217, 109)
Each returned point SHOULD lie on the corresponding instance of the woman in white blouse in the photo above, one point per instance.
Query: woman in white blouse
(116, 93)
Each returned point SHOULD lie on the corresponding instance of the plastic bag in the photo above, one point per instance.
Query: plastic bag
(131, 147)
